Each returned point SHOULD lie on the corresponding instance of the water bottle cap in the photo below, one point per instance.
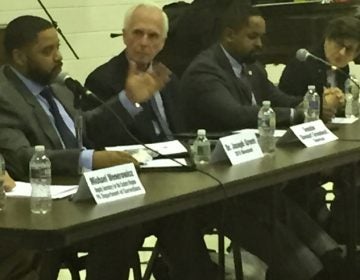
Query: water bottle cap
(311, 87)
(39, 148)
(201, 132)
(266, 103)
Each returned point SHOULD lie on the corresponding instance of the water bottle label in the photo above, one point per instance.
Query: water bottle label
(264, 122)
(203, 150)
(314, 105)
(40, 173)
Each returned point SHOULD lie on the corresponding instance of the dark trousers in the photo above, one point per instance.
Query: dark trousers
(18, 264)
(291, 245)
(111, 255)
(183, 247)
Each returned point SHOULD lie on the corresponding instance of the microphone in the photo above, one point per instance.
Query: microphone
(72, 84)
(304, 54)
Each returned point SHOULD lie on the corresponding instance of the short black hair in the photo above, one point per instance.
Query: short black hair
(22, 31)
(345, 27)
(237, 15)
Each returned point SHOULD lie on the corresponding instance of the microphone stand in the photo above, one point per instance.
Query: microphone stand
(351, 78)
(54, 23)
(335, 68)
(79, 123)
(114, 35)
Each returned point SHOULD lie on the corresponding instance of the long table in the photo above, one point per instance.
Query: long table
(166, 193)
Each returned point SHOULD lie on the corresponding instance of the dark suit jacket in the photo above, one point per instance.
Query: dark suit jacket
(17, 263)
(297, 75)
(24, 124)
(212, 97)
(108, 80)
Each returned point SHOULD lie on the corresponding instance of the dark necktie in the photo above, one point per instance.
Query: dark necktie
(162, 123)
(245, 80)
(67, 136)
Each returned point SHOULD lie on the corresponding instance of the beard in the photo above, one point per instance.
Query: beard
(251, 57)
(248, 58)
(41, 76)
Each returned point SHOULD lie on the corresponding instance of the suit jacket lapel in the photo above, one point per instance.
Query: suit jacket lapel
(38, 111)
(242, 89)
(66, 98)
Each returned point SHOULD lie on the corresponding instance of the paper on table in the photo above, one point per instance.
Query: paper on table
(344, 120)
(164, 148)
(23, 189)
(278, 132)
(158, 163)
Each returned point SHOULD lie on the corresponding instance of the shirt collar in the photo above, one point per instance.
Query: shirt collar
(236, 66)
(34, 87)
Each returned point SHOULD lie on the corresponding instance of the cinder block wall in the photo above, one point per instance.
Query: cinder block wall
(86, 24)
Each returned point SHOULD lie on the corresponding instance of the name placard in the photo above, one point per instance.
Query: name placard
(237, 148)
(313, 133)
(114, 183)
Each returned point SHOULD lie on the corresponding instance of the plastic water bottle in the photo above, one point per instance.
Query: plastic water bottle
(311, 105)
(348, 105)
(2, 189)
(267, 126)
(353, 90)
(40, 180)
(201, 148)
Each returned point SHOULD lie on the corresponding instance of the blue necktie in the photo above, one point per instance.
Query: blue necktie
(67, 136)
(162, 123)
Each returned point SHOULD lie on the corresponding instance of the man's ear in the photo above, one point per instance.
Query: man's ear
(228, 34)
(124, 36)
(357, 52)
(19, 57)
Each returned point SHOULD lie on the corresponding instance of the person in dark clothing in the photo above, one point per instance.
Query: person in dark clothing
(221, 90)
(341, 45)
(29, 117)
(150, 113)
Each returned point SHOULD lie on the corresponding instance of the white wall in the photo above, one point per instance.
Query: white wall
(86, 24)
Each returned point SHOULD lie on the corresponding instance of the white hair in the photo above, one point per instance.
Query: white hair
(129, 13)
